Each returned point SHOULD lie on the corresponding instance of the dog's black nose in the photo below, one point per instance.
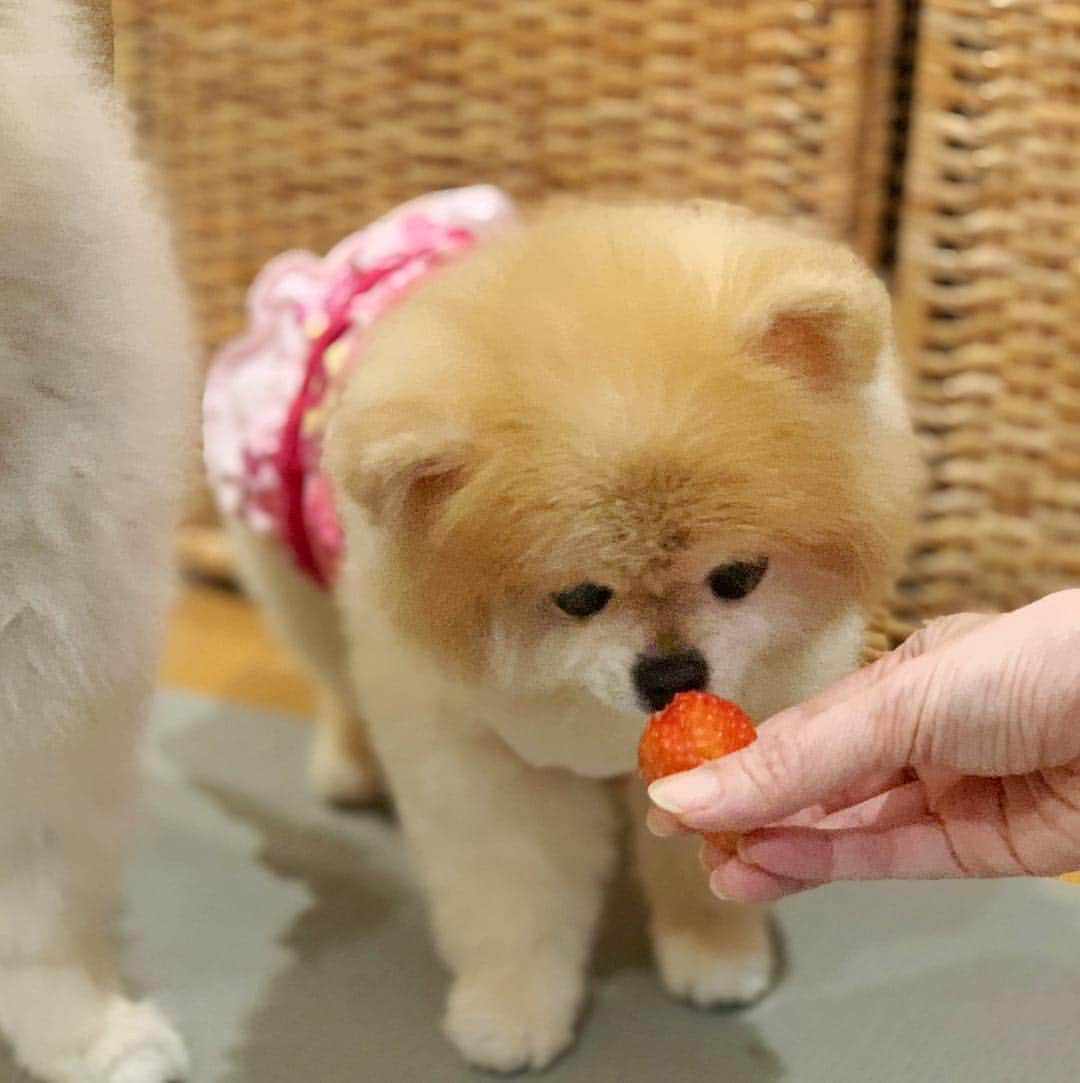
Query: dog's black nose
(658, 677)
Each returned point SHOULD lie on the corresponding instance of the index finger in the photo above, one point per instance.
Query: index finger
(942, 630)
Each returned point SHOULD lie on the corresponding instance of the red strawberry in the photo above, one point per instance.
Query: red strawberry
(693, 728)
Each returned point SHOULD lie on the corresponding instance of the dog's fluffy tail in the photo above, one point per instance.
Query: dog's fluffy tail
(91, 295)
(97, 403)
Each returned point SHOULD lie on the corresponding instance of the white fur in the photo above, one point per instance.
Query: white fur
(305, 617)
(515, 855)
(514, 858)
(750, 646)
(94, 394)
(513, 849)
(500, 778)
(707, 953)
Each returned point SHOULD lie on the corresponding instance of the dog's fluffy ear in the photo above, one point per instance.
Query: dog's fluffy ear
(825, 324)
(388, 458)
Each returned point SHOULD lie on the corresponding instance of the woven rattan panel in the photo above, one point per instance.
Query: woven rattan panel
(989, 301)
(99, 16)
(282, 123)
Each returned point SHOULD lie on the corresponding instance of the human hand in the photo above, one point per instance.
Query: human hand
(958, 754)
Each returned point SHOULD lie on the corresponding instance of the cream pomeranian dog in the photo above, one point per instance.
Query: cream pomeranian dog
(94, 374)
(615, 453)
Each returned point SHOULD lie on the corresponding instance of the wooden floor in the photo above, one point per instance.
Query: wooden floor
(218, 644)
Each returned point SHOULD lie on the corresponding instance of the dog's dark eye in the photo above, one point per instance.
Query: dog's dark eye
(583, 600)
(737, 579)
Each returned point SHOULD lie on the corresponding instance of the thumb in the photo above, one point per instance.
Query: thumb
(793, 764)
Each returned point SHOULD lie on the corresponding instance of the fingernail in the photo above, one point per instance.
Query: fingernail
(660, 824)
(710, 859)
(714, 887)
(678, 795)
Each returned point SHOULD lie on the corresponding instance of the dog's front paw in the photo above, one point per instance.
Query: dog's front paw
(728, 960)
(136, 1045)
(510, 1020)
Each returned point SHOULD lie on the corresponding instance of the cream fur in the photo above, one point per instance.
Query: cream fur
(630, 396)
(342, 767)
(94, 382)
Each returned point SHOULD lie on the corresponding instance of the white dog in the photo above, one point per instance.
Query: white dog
(94, 384)
(615, 453)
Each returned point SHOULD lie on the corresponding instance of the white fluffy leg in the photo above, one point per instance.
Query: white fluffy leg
(64, 817)
(67, 1029)
(136, 1044)
(95, 365)
(513, 1017)
(514, 860)
(342, 768)
(725, 961)
(709, 952)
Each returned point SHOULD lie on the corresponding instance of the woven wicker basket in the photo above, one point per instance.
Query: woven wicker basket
(98, 15)
(989, 302)
(283, 123)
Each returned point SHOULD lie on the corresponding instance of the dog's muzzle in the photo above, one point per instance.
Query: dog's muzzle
(658, 678)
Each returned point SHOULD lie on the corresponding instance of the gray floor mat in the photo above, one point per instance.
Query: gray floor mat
(288, 942)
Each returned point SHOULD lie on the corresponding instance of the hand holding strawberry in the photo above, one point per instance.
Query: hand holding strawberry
(958, 754)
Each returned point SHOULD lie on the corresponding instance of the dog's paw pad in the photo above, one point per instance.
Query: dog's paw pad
(340, 778)
(137, 1045)
(718, 966)
(513, 1021)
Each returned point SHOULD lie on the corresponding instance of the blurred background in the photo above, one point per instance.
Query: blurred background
(941, 138)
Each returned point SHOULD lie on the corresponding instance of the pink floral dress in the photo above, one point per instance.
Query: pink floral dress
(270, 392)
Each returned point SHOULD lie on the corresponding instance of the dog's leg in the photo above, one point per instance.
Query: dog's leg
(342, 766)
(64, 816)
(514, 860)
(708, 952)
(711, 952)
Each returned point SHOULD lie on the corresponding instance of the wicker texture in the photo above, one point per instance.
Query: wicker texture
(98, 15)
(989, 292)
(281, 123)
